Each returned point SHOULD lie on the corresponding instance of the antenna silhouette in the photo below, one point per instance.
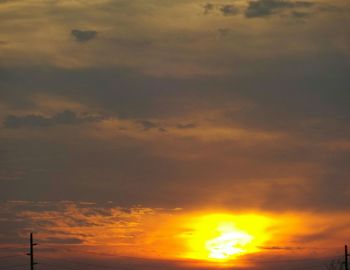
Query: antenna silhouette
(31, 253)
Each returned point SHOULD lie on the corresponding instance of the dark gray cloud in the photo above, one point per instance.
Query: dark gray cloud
(229, 10)
(62, 118)
(263, 8)
(83, 35)
(125, 92)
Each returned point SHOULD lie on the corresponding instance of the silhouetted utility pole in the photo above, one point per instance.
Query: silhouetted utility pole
(346, 258)
(31, 253)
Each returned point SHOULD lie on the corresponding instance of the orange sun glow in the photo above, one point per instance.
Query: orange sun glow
(223, 237)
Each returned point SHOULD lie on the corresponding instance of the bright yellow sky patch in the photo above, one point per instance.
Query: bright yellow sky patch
(222, 237)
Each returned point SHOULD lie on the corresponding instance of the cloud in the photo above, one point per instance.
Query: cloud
(263, 8)
(13, 121)
(208, 8)
(226, 10)
(234, 163)
(229, 10)
(83, 35)
(279, 78)
(82, 227)
(37, 121)
(186, 126)
(147, 125)
(162, 129)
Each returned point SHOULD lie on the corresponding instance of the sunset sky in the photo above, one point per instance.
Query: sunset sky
(174, 134)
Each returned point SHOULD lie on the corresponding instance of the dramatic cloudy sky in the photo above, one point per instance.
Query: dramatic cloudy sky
(115, 114)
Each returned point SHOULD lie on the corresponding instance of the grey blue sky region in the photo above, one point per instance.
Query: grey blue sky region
(235, 104)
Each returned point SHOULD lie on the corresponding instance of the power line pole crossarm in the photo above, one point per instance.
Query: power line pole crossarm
(31, 253)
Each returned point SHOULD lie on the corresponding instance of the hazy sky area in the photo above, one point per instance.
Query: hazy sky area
(121, 119)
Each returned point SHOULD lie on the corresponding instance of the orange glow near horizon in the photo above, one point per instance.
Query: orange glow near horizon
(208, 237)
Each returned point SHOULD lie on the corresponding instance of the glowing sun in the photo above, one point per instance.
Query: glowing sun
(222, 237)
(230, 242)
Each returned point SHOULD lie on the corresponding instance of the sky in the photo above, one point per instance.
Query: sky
(128, 128)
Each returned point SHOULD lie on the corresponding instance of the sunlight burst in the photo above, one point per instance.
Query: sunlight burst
(227, 244)
(222, 237)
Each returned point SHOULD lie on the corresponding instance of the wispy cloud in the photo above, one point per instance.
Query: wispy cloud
(83, 35)
(262, 8)
(37, 121)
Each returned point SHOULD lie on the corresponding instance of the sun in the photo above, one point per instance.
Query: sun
(224, 237)
(229, 242)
